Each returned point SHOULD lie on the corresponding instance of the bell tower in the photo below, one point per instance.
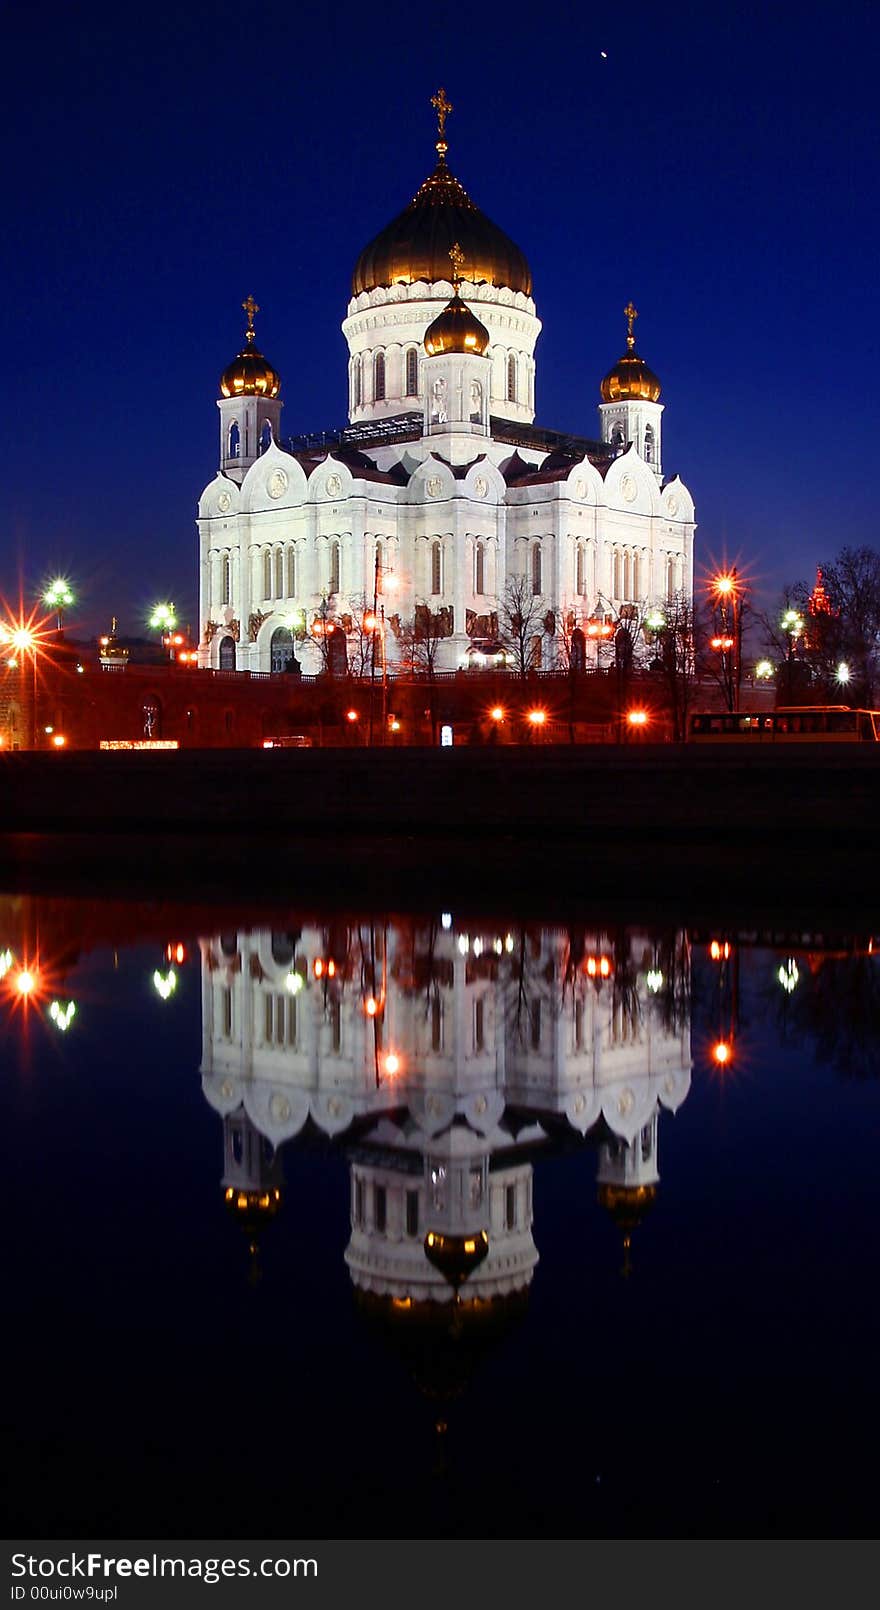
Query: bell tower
(630, 411)
(249, 404)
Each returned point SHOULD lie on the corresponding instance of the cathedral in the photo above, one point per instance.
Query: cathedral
(442, 513)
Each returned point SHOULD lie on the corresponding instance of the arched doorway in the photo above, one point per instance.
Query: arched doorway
(282, 650)
(227, 654)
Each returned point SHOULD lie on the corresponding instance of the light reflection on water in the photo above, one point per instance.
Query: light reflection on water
(601, 1195)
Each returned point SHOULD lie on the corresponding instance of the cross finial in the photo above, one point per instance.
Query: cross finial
(457, 256)
(630, 313)
(250, 307)
(443, 107)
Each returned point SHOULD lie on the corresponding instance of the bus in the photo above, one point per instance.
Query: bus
(788, 723)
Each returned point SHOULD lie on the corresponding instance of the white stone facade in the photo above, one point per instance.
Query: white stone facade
(441, 506)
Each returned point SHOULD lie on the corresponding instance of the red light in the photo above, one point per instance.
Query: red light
(392, 1064)
(319, 969)
(719, 952)
(371, 1006)
(331, 969)
(637, 718)
(175, 953)
(351, 715)
(722, 1052)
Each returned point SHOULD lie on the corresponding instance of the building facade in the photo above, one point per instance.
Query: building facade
(442, 510)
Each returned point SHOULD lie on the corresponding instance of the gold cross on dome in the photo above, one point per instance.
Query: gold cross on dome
(443, 108)
(630, 313)
(457, 256)
(250, 307)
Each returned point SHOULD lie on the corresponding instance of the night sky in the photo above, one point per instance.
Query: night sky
(719, 167)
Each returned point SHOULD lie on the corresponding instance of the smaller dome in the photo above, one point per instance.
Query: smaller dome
(456, 329)
(630, 380)
(250, 374)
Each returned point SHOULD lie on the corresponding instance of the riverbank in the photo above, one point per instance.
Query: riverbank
(521, 825)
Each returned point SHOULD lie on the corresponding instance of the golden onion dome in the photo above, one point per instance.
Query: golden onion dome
(630, 380)
(628, 1205)
(456, 329)
(250, 374)
(415, 245)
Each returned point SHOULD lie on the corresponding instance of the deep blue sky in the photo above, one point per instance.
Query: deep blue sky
(719, 168)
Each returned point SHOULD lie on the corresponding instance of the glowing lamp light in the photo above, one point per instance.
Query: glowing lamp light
(22, 639)
(724, 586)
(793, 622)
(163, 618)
(788, 975)
(294, 982)
(58, 740)
(58, 595)
(351, 715)
(319, 968)
(25, 982)
(722, 642)
(497, 713)
(654, 980)
(843, 672)
(371, 1006)
(537, 717)
(6, 962)
(719, 951)
(464, 944)
(637, 718)
(371, 623)
(722, 1053)
(392, 1064)
(446, 921)
(165, 983)
(656, 620)
(763, 671)
(175, 953)
(394, 724)
(62, 1015)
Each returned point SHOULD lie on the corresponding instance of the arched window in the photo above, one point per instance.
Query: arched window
(436, 569)
(279, 572)
(282, 649)
(226, 579)
(636, 578)
(291, 572)
(378, 566)
(412, 372)
(537, 569)
(670, 578)
(358, 383)
(479, 568)
(617, 436)
(265, 436)
(616, 574)
(379, 377)
(627, 575)
(234, 441)
(649, 445)
(227, 654)
(511, 378)
(579, 572)
(267, 573)
(334, 567)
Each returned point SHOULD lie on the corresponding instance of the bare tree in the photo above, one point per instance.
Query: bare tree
(675, 639)
(419, 641)
(852, 582)
(522, 619)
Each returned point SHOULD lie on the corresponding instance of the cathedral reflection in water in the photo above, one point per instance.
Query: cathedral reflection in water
(444, 1060)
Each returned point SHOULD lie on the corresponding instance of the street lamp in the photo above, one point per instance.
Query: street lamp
(727, 610)
(792, 624)
(164, 620)
(59, 597)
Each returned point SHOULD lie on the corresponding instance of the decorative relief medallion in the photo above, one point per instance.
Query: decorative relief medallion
(277, 484)
(626, 1102)
(279, 1108)
(223, 502)
(333, 486)
(433, 486)
(481, 486)
(672, 507)
(580, 489)
(629, 489)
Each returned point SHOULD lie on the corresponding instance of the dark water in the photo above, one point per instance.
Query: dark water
(221, 1315)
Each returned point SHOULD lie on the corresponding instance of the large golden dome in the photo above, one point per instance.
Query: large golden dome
(630, 379)
(250, 374)
(416, 244)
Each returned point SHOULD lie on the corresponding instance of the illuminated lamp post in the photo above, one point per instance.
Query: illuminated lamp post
(792, 624)
(59, 597)
(164, 620)
(727, 640)
(24, 643)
